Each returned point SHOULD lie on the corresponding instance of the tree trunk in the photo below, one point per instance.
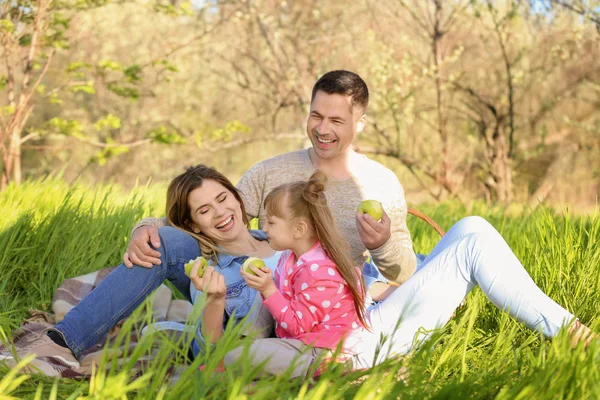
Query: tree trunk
(3, 182)
(436, 37)
(15, 156)
(499, 180)
(6, 166)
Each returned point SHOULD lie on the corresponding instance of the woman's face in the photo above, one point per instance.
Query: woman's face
(215, 212)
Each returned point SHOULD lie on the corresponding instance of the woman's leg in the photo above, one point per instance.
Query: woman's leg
(472, 253)
(124, 289)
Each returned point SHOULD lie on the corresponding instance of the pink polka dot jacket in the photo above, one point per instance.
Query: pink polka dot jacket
(313, 302)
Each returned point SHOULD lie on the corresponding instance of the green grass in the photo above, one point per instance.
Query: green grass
(49, 232)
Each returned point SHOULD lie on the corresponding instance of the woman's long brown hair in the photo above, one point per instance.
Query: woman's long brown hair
(179, 213)
(306, 200)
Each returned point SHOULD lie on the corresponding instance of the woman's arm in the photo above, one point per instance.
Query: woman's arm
(213, 284)
(212, 319)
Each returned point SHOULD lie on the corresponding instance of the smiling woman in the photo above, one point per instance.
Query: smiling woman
(207, 205)
(208, 218)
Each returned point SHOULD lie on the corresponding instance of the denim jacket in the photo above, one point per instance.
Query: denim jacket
(240, 297)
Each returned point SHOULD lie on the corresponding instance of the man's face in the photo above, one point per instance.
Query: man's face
(331, 125)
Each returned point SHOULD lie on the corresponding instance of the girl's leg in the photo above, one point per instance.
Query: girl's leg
(124, 289)
(278, 355)
(472, 253)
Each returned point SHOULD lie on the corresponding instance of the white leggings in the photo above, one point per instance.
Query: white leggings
(472, 253)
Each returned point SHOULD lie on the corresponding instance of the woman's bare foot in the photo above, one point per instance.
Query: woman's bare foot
(580, 333)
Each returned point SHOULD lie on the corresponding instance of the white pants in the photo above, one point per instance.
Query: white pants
(472, 253)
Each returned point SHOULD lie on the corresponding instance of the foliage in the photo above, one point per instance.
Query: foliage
(45, 33)
(469, 98)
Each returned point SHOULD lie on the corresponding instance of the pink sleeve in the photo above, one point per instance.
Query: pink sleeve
(311, 298)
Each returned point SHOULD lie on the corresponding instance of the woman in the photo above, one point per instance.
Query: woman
(211, 220)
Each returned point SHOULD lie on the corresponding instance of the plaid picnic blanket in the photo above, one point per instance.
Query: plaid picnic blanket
(67, 296)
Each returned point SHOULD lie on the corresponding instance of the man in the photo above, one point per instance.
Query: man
(337, 113)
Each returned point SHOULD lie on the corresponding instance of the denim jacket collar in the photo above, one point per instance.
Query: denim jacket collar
(225, 259)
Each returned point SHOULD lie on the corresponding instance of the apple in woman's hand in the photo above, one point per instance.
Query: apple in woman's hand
(255, 262)
(203, 264)
(371, 207)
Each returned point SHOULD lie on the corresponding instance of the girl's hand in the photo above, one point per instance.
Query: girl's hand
(262, 281)
(212, 283)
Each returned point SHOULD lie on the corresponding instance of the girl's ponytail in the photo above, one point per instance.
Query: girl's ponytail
(332, 239)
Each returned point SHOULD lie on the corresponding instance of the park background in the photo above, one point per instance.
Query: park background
(485, 107)
(470, 99)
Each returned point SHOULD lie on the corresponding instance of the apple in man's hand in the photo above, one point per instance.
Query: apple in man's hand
(371, 207)
(255, 262)
(203, 264)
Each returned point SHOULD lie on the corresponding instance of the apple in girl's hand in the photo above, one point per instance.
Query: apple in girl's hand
(371, 207)
(255, 262)
(203, 264)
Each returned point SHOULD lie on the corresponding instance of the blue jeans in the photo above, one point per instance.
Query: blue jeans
(124, 289)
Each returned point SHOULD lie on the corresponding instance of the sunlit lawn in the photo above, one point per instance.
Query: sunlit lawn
(49, 232)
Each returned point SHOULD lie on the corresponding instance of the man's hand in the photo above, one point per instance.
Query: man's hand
(139, 251)
(373, 233)
(212, 283)
(380, 291)
(263, 281)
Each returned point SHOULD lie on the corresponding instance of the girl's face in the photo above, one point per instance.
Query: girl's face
(215, 212)
(280, 232)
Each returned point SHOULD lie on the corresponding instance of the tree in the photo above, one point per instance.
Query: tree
(30, 35)
(33, 34)
(411, 87)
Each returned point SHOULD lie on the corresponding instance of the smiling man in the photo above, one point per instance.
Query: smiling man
(337, 113)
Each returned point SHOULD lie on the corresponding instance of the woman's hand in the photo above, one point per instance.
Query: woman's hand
(212, 283)
(262, 281)
(139, 251)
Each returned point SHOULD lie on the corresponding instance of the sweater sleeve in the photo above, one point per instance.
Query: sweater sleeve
(307, 309)
(150, 221)
(252, 189)
(396, 258)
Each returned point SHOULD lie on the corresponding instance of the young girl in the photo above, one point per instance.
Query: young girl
(317, 297)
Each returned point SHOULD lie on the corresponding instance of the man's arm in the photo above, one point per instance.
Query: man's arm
(150, 221)
(252, 189)
(144, 234)
(396, 258)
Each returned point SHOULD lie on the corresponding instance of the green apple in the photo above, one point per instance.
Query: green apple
(371, 207)
(203, 264)
(255, 262)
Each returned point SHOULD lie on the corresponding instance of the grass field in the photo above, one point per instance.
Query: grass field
(49, 232)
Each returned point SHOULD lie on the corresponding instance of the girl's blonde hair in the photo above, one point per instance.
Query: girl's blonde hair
(306, 201)
(179, 213)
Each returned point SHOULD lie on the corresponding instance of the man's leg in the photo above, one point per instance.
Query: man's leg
(472, 253)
